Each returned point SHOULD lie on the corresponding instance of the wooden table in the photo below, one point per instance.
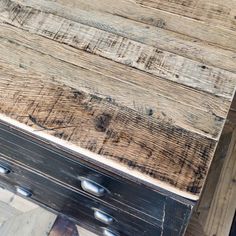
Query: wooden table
(115, 108)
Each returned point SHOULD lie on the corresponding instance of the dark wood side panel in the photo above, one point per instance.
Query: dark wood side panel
(151, 206)
(75, 205)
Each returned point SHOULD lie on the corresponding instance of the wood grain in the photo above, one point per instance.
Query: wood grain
(147, 100)
(98, 125)
(122, 34)
(214, 212)
(150, 16)
(168, 102)
(215, 12)
(223, 206)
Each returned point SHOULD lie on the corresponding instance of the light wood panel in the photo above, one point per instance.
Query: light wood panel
(168, 102)
(116, 28)
(223, 206)
(136, 12)
(19, 217)
(216, 208)
(212, 11)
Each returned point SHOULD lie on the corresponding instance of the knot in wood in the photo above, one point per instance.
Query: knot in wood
(102, 122)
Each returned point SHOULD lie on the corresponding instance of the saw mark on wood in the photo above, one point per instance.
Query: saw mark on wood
(123, 50)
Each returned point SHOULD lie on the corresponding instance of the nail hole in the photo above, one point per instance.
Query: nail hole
(150, 112)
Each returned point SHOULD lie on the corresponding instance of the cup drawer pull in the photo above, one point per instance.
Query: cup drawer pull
(108, 232)
(23, 192)
(103, 217)
(4, 170)
(93, 188)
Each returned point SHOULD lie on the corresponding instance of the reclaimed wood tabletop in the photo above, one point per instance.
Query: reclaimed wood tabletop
(138, 88)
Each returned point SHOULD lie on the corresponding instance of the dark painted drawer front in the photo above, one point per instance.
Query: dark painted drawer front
(72, 203)
(151, 206)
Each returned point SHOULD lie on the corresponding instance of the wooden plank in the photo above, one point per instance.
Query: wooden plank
(215, 211)
(122, 33)
(223, 206)
(35, 70)
(142, 145)
(154, 17)
(38, 223)
(20, 217)
(211, 11)
(48, 84)
(194, 228)
(168, 102)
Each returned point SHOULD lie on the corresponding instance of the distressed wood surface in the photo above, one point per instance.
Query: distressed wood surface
(223, 206)
(148, 99)
(218, 12)
(216, 208)
(124, 35)
(150, 16)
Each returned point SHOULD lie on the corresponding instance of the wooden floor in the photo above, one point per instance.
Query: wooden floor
(19, 217)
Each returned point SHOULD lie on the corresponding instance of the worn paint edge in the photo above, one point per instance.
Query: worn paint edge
(99, 158)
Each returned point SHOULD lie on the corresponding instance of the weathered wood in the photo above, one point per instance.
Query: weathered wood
(99, 125)
(215, 12)
(194, 228)
(137, 107)
(169, 102)
(122, 33)
(216, 208)
(155, 17)
(222, 210)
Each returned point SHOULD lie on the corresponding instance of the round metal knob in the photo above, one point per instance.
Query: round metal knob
(108, 232)
(23, 192)
(103, 217)
(93, 188)
(4, 170)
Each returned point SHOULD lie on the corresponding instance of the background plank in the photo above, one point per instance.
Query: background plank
(20, 217)
(136, 12)
(215, 12)
(215, 211)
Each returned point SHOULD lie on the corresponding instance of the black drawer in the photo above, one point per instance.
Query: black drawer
(151, 206)
(73, 204)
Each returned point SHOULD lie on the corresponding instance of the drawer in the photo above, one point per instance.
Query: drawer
(73, 171)
(88, 212)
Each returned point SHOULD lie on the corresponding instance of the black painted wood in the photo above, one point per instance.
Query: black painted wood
(233, 228)
(158, 208)
(73, 204)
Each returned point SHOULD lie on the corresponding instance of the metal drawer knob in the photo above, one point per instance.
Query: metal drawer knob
(108, 232)
(103, 217)
(93, 188)
(23, 192)
(4, 170)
